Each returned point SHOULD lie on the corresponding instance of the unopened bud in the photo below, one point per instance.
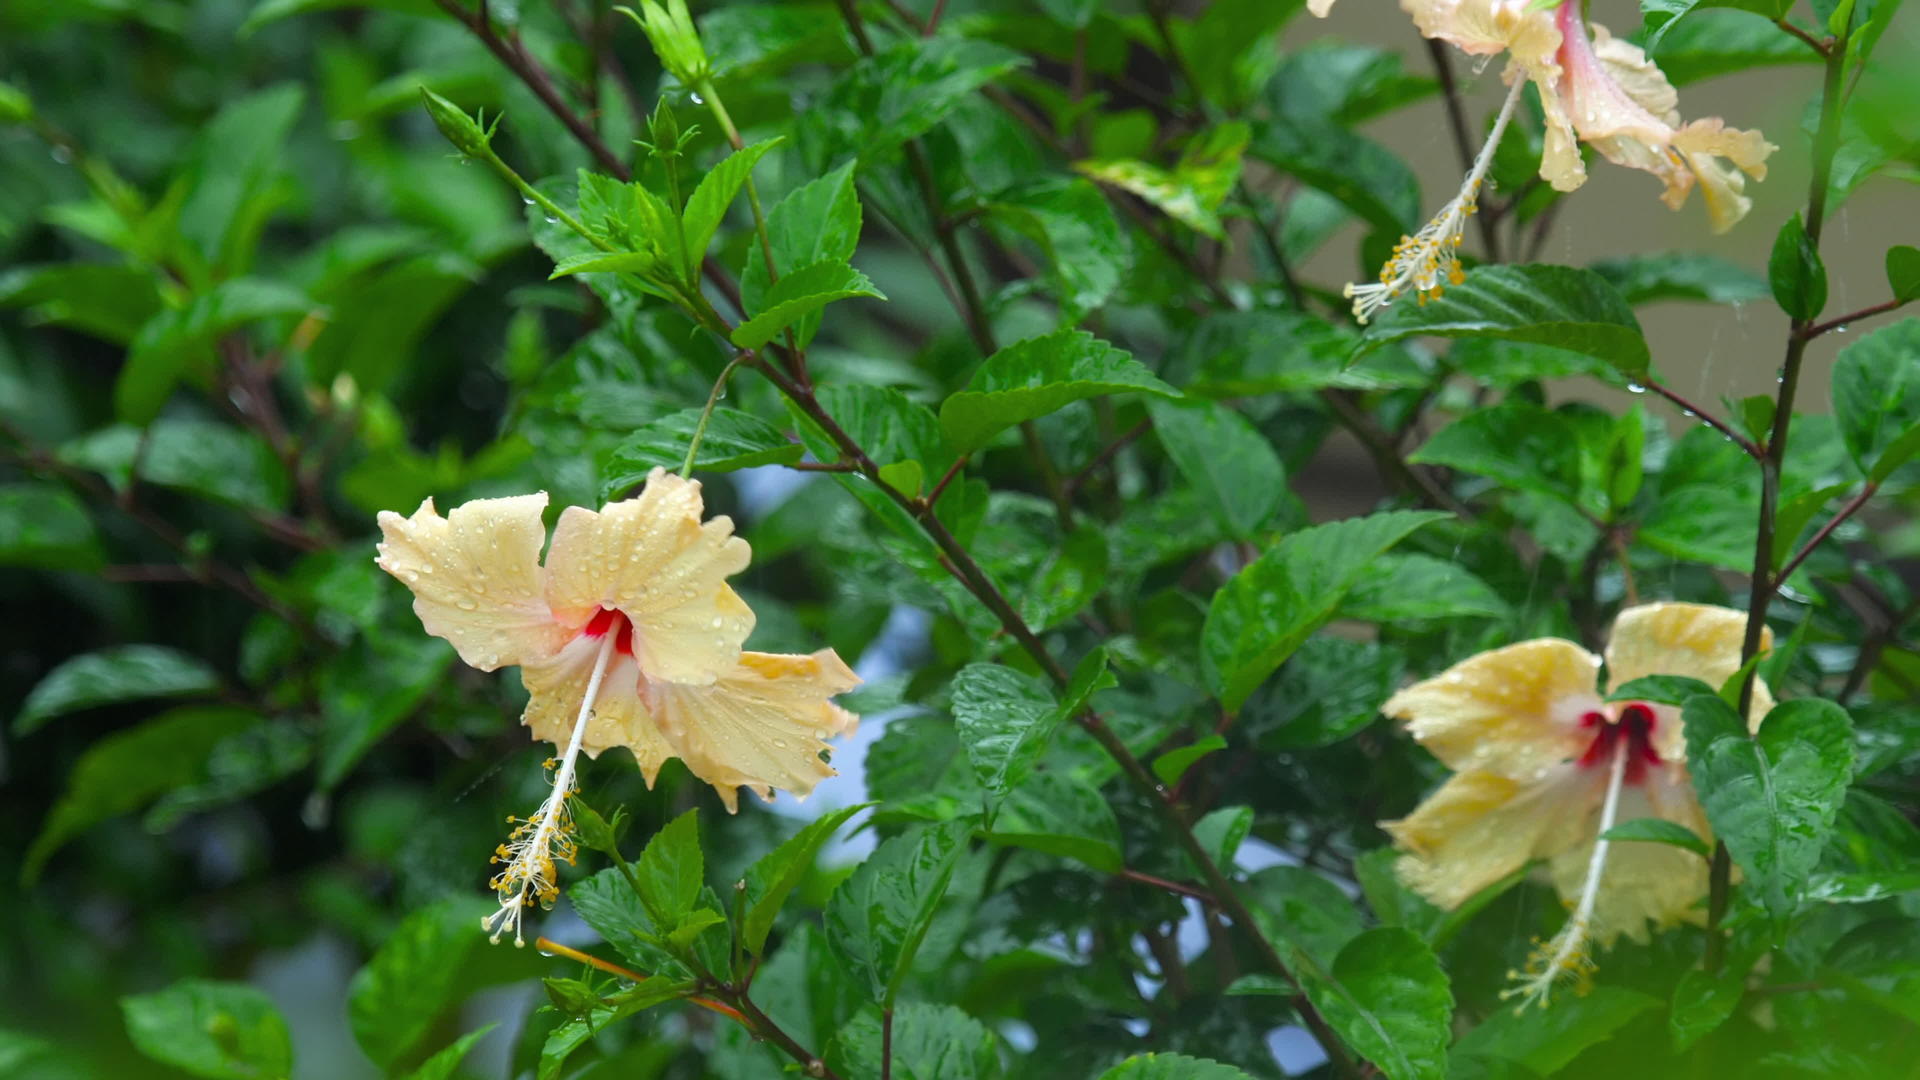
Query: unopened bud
(671, 32)
(465, 133)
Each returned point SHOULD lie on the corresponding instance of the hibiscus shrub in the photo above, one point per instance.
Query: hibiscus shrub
(1198, 667)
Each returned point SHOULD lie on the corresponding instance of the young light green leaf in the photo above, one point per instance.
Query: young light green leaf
(819, 221)
(1032, 378)
(1659, 831)
(1191, 193)
(1771, 797)
(780, 871)
(605, 262)
(1173, 764)
(1560, 306)
(732, 440)
(1005, 719)
(219, 1030)
(709, 202)
(671, 870)
(128, 769)
(113, 675)
(801, 293)
(1269, 608)
(1226, 459)
(877, 918)
(1090, 676)
(1389, 999)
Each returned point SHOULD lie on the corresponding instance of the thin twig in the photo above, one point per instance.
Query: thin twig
(1194, 891)
(1852, 507)
(1851, 317)
(1751, 448)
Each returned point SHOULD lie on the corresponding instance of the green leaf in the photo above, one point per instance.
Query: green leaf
(1660, 16)
(777, 873)
(1771, 797)
(110, 676)
(1701, 1003)
(607, 903)
(180, 341)
(128, 769)
(1173, 764)
(1060, 814)
(1269, 608)
(877, 918)
(1087, 253)
(819, 221)
(108, 301)
(1032, 378)
(17, 1050)
(904, 90)
(268, 11)
(1362, 175)
(709, 201)
(605, 262)
(221, 1030)
(1192, 192)
(1396, 588)
(232, 176)
(1798, 277)
(1303, 910)
(1903, 273)
(733, 440)
(671, 871)
(1661, 689)
(1389, 1000)
(1090, 676)
(1876, 398)
(928, 1042)
(1172, 1067)
(1067, 580)
(1005, 719)
(1546, 1040)
(43, 527)
(1659, 831)
(1226, 459)
(1522, 445)
(1328, 690)
(1643, 279)
(799, 294)
(1714, 43)
(1248, 353)
(441, 1065)
(367, 692)
(1559, 306)
(395, 1001)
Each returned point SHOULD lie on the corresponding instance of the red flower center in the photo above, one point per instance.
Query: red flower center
(606, 619)
(1635, 725)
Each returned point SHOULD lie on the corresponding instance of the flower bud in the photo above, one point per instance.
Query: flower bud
(671, 32)
(466, 135)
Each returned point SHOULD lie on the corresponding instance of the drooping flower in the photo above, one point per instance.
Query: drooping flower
(629, 636)
(1544, 765)
(1597, 89)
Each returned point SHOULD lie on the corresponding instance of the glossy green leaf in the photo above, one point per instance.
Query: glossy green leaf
(877, 918)
(441, 1065)
(394, 1002)
(1364, 176)
(700, 219)
(1389, 999)
(43, 527)
(1059, 814)
(232, 176)
(732, 440)
(1796, 272)
(1226, 459)
(178, 342)
(1172, 1067)
(113, 675)
(1903, 272)
(1269, 608)
(671, 870)
(1087, 253)
(1876, 398)
(1328, 690)
(1521, 445)
(1644, 279)
(1559, 306)
(926, 1041)
(801, 293)
(1396, 588)
(220, 1030)
(1172, 765)
(1771, 797)
(1032, 378)
(1701, 1003)
(1659, 831)
(1191, 192)
(1005, 719)
(1546, 1040)
(1661, 689)
(777, 873)
(1304, 911)
(819, 221)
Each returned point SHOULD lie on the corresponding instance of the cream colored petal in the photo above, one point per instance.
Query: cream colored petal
(1698, 641)
(1644, 886)
(651, 558)
(1636, 76)
(1320, 7)
(1703, 143)
(1485, 27)
(1479, 827)
(554, 690)
(761, 726)
(476, 577)
(1514, 711)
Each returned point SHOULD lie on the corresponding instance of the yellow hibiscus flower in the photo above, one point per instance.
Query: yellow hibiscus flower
(1597, 89)
(1544, 765)
(628, 635)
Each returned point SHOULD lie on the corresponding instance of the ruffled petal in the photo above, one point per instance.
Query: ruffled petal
(1698, 641)
(1480, 827)
(555, 687)
(1513, 712)
(1645, 886)
(1485, 27)
(1704, 143)
(1320, 7)
(652, 559)
(476, 577)
(760, 726)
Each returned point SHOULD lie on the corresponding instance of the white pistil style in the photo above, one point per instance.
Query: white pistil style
(1429, 260)
(1565, 958)
(538, 842)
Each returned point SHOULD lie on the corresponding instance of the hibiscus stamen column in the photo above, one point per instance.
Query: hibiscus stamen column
(1429, 260)
(537, 842)
(1565, 957)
